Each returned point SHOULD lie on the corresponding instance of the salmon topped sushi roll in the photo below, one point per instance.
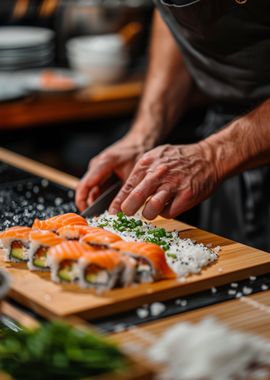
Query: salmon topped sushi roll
(63, 259)
(73, 232)
(100, 270)
(56, 222)
(100, 238)
(150, 259)
(40, 242)
(15, 242)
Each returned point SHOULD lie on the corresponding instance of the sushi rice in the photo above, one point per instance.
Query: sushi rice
(15, 244)
(184, 256)
(101, 278)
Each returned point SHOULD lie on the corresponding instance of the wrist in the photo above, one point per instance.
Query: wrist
(145, 132)
(226, 149)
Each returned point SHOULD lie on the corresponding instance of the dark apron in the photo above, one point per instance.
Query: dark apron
(226, 47)
(240, 208)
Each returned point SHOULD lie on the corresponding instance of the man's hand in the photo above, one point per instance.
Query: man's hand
(170, 179)
(120, 159)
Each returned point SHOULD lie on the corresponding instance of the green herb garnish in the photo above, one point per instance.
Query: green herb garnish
(172, 255)
(57, 351)
(123, 223)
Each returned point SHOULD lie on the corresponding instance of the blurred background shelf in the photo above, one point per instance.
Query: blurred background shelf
(111, 100)
(65, 130)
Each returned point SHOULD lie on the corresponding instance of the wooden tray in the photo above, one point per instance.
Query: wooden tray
(35, 290)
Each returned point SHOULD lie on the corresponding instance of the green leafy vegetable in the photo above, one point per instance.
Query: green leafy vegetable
(123, 223)
(57, 351)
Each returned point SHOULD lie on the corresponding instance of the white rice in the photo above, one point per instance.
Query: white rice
(184, 256)
(6, 246)
(210, 350)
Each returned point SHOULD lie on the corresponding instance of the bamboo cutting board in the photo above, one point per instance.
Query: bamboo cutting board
(249, 314)
(50, 300)
(35, 290)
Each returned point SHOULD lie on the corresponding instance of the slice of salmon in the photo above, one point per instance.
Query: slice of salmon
(68, 250)
(98, 236)
(18, 233)
(73, 232)
(152, 252)
(46, 238)
(56, 222)
(107, 259)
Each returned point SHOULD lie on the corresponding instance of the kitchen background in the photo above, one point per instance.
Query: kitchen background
(63, 118)
(71, 77)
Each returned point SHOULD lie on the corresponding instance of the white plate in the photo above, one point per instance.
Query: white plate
(17, 60)
(31, 80)
(16, 37)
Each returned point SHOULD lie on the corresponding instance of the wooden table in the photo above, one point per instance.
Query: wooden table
(249, 313)
(96, 102)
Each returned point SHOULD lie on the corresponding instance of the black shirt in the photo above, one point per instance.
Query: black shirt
(226, 45)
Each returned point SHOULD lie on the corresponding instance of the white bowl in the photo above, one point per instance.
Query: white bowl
(103, 58)
(100, 72)
(111, 44)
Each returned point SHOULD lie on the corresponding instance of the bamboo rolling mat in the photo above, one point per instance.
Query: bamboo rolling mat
(248, 314)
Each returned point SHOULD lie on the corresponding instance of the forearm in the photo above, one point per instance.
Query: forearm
(167, 87)
(243, 145)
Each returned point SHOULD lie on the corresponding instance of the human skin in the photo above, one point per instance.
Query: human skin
(171, 179)
(167, 80)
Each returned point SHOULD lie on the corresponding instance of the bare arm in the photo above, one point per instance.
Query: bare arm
(173, 178)
(244, 144)
(167, 89)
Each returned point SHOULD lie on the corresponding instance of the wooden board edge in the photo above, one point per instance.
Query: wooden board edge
(38, 169)
(18, 315)
(167, 294)
(160, 296)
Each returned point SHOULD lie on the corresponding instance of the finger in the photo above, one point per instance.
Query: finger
(146, 187)
(93, 195)
(82, 192)
(116, 204)
(92, 178)
(182, 202)
(157, 203)
(137, 175)
(140, 194)
(99, 171)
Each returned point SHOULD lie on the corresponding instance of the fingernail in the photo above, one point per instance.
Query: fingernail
(113, 210)
(149, 215)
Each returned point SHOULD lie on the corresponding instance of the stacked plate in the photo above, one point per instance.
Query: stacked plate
(25, 48)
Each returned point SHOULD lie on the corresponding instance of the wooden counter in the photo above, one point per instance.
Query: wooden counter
(95, 102)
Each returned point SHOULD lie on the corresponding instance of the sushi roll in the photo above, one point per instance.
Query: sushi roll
(99, 238)
(100, 270)
(73, 232)
(63, 260)
(40, 242)
(15, 243)
(129, 271)
(151, 264)
(56, 222)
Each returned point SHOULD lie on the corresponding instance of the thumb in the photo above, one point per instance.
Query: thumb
(94, 177)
